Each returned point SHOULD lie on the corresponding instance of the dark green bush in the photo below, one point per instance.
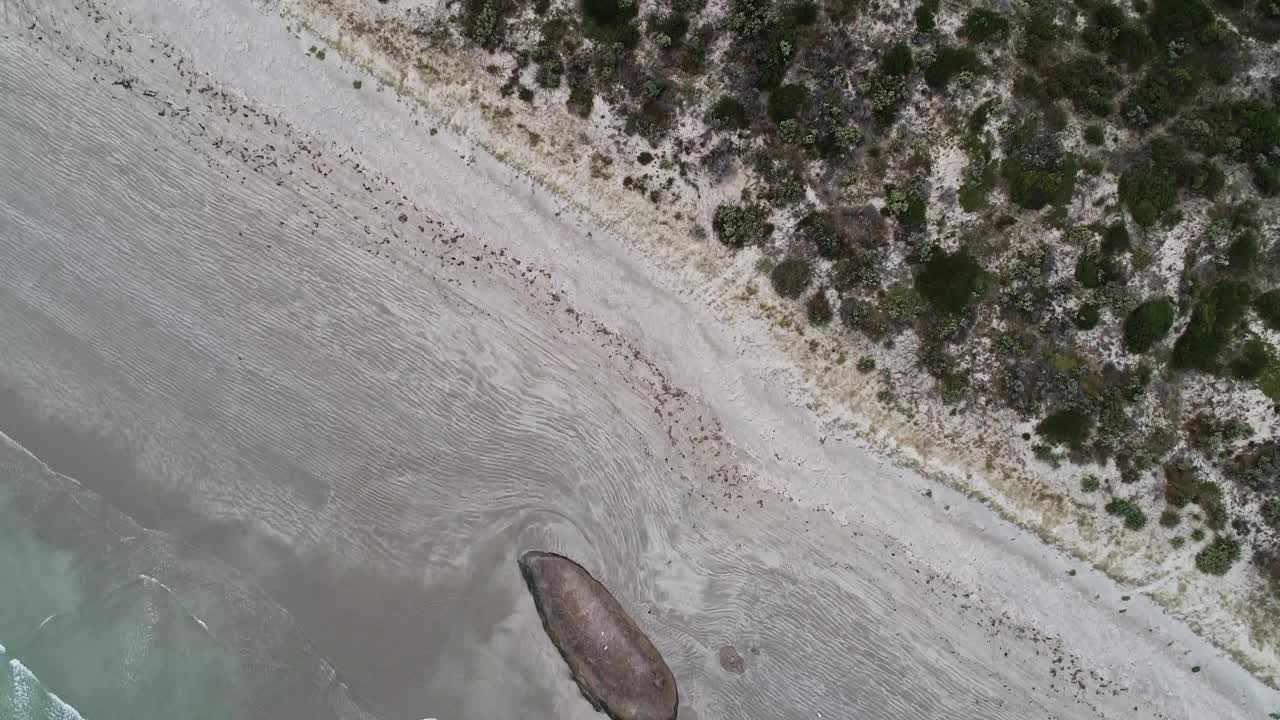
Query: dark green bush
(484, 22)
(1087, 316)
(818, 228)
(787, 102)
(1243, 251)
(1066, 427)
(1213, 320)
(950, 282)
(1094, 135)
(1271, 512)
(1093, 271)
(1090, 483)
(982, 25)
(1170, 518)
(1086, 81)
(1268, 306)
(791, 276)
(610, 21)
(1149, 187)
(1254, 358)
(926, 22)
(1181, 482)
(1147, 324)
(739, 225)
(1036, 170)
(949, 62)
(765, 40)
(727, 113)
(1115, 239)
(1134, 518)
(804, 12)
(1217, 557)
(673, 26)
(858, 269)
(1110, 31)
(1160, 94)
(897, 60)
(818, 308)
(907, 205)
(1040, 31)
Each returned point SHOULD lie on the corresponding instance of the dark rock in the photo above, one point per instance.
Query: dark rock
(731, 661)
(617, 668)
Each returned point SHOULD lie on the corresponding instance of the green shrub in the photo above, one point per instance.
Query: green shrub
(727, 113)
(610, 21)
(1268, 307)
(950, 282)
(1087, 316)
(1149, 187)
(1181, 482)
(738, 225)
(1134, 518)
(818, 308)
(791, 276)
(1217, 557)
(907, 205)
(866, 364)
(897, 61)
(1170, 518)
(1094, 135)
(484, 22)
(1213, 320)
(818, 229)
(1093, 271)
(787, 102)
(765, 40)
(1066, 427)
(1254, 359)
(1197, 535)
(1040, 31)
(860, 315)
(856, 270)
(924, 15)
(803, 12)
(1243, 251)
(982, 25)
(949, 62)
(1090, 483)
(1115, 239)
(1086, 81)
(1271, 512)
(1125, 42)
(1036, 170)
(1147, 324)
(1161, 93)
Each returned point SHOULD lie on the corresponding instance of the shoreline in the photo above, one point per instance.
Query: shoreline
(896, 502)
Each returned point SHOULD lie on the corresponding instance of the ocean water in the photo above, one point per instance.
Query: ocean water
(105, 620)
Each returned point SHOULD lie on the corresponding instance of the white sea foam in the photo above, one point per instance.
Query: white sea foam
(25, 691)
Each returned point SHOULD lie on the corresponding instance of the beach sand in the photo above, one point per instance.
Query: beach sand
(312, 331)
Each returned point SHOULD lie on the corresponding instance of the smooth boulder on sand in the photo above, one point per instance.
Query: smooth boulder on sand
(614, 663)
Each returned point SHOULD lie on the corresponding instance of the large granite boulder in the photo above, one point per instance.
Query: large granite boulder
(615, 665)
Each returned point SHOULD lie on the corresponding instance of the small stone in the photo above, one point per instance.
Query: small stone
(731, 661)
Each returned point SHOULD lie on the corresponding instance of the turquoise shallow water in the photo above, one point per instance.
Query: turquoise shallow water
(105, 620)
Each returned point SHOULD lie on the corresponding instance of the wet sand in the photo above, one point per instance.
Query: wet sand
(233, 334)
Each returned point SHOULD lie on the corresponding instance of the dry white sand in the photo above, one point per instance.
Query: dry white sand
(744, 381)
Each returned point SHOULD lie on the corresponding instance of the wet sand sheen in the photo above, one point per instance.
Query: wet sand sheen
(217, 353)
